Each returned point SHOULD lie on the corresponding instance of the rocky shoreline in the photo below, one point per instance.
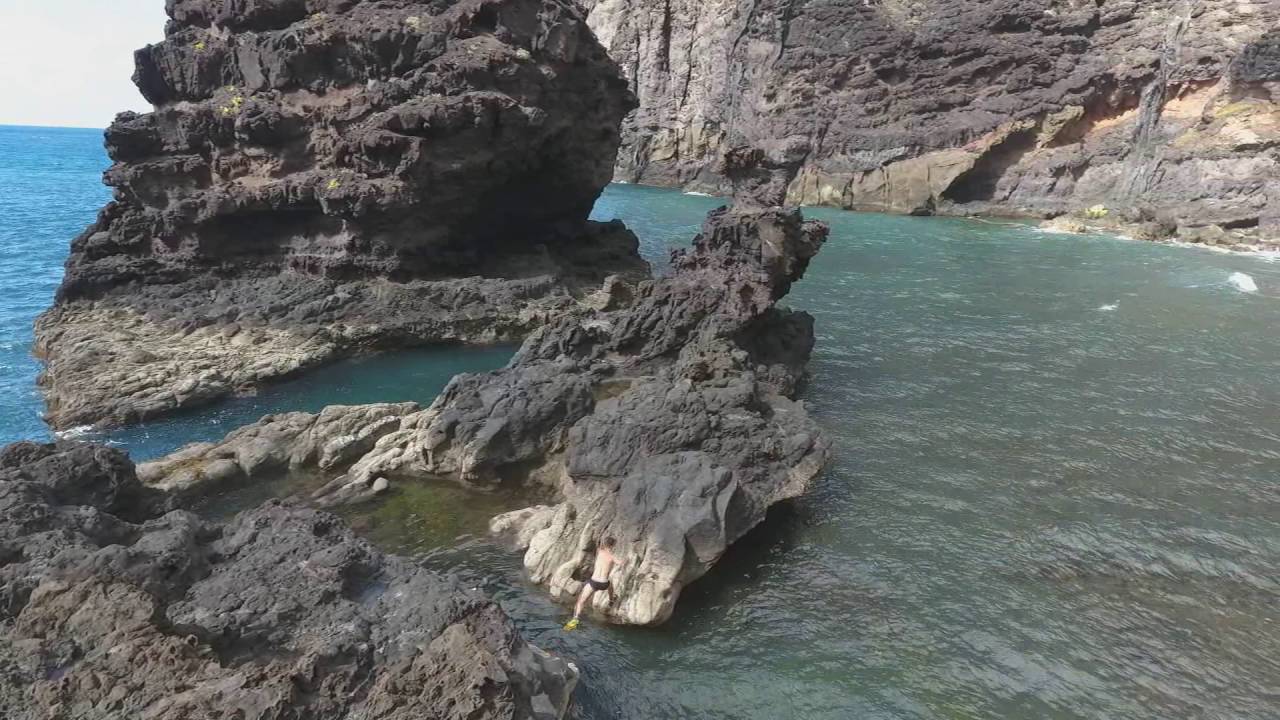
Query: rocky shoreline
(322, 179)
(1163, 114)
(114, 605)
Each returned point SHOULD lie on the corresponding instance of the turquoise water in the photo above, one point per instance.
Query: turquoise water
(411, 375)
(1056, 490)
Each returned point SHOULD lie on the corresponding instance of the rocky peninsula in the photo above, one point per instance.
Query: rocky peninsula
(670, 422)
(1157, 117)
(320, 179)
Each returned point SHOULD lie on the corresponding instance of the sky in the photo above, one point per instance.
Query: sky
(69, 62)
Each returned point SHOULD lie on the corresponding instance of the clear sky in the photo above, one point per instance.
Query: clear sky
(69, 62)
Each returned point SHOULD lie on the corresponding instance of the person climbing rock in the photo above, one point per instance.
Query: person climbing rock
(599, 580)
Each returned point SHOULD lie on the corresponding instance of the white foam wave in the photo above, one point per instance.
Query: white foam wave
(74, 432)
(1233, 250)
(1243, 282)
(1108, 308)
(695, 193)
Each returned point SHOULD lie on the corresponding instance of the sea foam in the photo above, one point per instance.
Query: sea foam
(75, 432)
(1243, 282)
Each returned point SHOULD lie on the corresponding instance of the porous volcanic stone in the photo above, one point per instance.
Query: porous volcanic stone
(110, 609)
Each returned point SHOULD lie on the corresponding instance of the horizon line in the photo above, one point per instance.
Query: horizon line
(52, 127)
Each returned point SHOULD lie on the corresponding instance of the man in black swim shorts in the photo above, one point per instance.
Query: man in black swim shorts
(599, 580)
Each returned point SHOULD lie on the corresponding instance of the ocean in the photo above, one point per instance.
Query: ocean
(1056, 492)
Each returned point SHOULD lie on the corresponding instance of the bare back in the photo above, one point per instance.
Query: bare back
(604, 564)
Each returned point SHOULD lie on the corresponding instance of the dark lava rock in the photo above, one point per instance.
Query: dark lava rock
(1035, 107)
(666, 418)
(281, 613)
(670, 424)
(332, 176)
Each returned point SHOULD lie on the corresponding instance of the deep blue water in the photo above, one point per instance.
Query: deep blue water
(50, 189)
(1056, 491)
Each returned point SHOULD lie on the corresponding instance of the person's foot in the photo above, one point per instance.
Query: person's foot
(571, 625)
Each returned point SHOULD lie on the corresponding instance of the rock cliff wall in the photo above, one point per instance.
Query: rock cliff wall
(1166, 113)
(321, 177)
(111, 607)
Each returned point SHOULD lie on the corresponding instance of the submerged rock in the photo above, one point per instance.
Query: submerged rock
(109, 609)
(325, 178)
(1028, 107)
(670, 424)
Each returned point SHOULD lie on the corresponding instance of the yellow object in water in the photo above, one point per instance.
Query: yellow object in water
(571, 625)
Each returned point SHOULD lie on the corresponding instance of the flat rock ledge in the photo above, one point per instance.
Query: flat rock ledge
(666, 419)
(329, 177)
(130, 358)
(112, 605)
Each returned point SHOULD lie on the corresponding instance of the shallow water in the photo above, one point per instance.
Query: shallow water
(405, 376)
(1055, 493)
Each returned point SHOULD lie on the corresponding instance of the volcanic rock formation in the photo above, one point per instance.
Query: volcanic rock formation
(670, 423)
(1160, 114)
(110, 610)
(323, 177)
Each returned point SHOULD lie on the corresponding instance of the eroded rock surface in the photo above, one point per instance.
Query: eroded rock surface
(326, 177)
(1164, 112)
(109, 609)
(670, 423)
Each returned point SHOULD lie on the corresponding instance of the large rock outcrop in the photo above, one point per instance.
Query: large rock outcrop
(325, 177)
(1166, 113)
(669, 423)
(109, 609)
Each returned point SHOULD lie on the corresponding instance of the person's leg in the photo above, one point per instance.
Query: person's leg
(583, 597)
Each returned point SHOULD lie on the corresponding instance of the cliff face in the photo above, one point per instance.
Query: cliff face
(111, 609)
(1163, 111)
(326, 176)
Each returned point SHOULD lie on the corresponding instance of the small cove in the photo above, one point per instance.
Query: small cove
(1056, 491)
